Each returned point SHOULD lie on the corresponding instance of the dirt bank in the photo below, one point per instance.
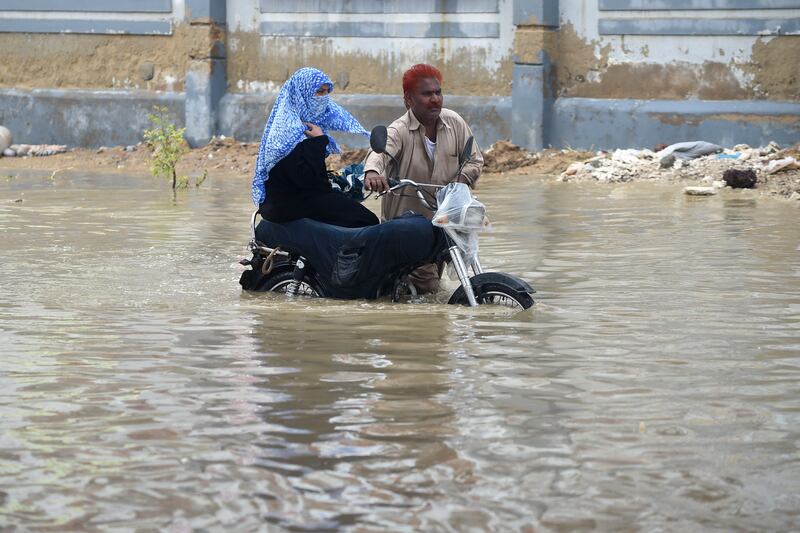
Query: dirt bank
(225, 156)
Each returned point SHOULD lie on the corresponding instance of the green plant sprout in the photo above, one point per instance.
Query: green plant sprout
(168, 146)
(200, 179)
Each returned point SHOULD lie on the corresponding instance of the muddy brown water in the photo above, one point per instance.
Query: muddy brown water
(653, 386)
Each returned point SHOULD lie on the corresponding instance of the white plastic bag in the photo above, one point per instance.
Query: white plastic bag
(461, 216)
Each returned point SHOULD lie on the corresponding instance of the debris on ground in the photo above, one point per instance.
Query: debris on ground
(777, 169)
(787, 163)
(503, 156)
(7, 149)
(700, 191)
(37, 150)
(5, 139)
(769, 167)
(346, 158)
(740, 178)
(685, 151)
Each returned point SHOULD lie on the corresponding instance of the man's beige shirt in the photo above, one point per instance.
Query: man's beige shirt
(406, 143)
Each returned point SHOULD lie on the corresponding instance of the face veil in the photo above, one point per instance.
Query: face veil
(296, 103)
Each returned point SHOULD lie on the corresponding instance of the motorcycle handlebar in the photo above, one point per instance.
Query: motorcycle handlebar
(399, 183)
(396, 183)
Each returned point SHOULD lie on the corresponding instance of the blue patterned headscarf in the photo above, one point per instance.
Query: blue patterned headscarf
(296, 104)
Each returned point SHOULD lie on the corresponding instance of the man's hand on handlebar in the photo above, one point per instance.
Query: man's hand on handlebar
(375, 182)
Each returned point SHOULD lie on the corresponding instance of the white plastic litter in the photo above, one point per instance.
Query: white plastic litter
(631, 156)
(5, 138)
(700, 191)
(461, 216)
(787, 163)
(37, 149)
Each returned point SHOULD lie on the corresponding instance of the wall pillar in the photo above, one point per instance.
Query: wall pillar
(206, 76)
(534, 82)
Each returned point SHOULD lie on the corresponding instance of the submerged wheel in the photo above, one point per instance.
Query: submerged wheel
(497, 293)
(403, 290)
(282, 281)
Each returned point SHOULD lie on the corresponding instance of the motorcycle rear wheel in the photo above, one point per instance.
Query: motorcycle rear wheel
(495, 293)
(282, 281)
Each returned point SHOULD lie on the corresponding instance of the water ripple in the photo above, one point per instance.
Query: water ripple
(652, 387)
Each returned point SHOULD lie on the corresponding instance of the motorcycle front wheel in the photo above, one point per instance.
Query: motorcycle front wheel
(497, 289)
(282, 281)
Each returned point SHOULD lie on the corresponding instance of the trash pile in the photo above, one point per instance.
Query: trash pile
(21, 150)
(697, 160)
(14, 150)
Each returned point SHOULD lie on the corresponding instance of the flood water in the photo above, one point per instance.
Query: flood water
(654, 385)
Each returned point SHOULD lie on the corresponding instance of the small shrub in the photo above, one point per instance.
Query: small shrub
(198, 181)
(168, 145)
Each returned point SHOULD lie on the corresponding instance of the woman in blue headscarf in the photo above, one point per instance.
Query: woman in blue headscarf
(291, 180)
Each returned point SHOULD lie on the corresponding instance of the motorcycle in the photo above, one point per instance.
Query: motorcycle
(310, 258)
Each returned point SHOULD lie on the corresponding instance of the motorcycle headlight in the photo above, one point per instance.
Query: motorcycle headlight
(473, 216)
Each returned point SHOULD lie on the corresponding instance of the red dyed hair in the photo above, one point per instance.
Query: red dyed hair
(419, 72)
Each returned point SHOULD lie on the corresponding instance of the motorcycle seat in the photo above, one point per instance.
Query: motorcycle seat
(353, 262)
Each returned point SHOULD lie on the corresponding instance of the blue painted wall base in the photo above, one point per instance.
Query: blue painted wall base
(83, 118)
(118, 117)
(607, 124)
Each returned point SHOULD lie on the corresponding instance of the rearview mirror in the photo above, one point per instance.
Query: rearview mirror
(377, 139)
(466, 152)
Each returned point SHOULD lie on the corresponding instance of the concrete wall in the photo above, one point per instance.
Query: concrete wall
(366, 45)
(583, 73)
(94, 44)
(110, 62)
(609, 73)
(698, 49)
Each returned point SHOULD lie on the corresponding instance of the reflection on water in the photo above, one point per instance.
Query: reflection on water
(653, 386)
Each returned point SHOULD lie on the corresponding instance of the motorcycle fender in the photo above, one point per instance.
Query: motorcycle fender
(253, 278)
(511, 280)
